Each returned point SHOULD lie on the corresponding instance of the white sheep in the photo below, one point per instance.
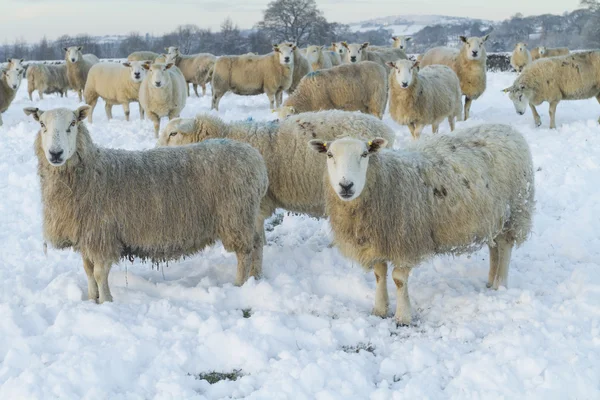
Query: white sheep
(301, 69)
(10, 80)
(143, 56)
(196, 68)
(116, 84)
(47, 79)
(520, 57)
(545, 52)
(339, 48)
(398, 42)
(447, 194)
(358, 52)
(318, 58)
(423, 97)
(78, 66)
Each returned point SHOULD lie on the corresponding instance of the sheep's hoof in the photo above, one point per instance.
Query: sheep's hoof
(538, 123)
(488, 285)
(404, 320)
(380, 312)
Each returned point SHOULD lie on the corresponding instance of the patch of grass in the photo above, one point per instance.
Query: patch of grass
(247, 312)
(214, 377)
(360, 346)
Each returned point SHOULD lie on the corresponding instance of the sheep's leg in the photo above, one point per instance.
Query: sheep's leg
(0, 119)
(468, 102)
(536, 116)
(381, 294)
(279, 98)
(552, 111)
(244, 266)
(92, 285)
(141, 111)
(451, 122)
(30, 95)
(598, 98)
(260, 241)
(174, 114)
(92, 104)
(108, 109)
(435, 128)
(196, 89)
(418, 130)
(156, 121)
(80, 94)
(188, 89)
(272, 100)
(411, 128)
(203, 89)
(403, 315)
(215, 100)
(127, 111)
(493, 265)
(41, 94)
(101, 271)
(505, 245)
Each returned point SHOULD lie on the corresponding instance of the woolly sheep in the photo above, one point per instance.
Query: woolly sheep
(398, 42)
(162, 93)
(570, 77)
(419, 98)
(447, 194)
(339, 48)
(196, 68)
(115, 84)
(334, 56)
(358, 52)
(469, 63)
(301, 69)
(350, 87)
(535, 54)
(520, 57)
(547, 52)
(251, 75)
(142, 56)
(47, 79)
(318, 58)
(10, 80)
(159, 204)
(78, 67)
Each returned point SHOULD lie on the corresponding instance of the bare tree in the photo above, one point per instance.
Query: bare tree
(290, 20)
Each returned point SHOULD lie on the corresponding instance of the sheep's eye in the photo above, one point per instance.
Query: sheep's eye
(520, 97)
(42, 125)
(365, 154)
(173, 134)
(73, 123)
(329, 155)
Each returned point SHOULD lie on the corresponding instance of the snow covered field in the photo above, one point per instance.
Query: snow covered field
(305, 330)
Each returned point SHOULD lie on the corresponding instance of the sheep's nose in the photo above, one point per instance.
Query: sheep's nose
(346, 187)
(72, 60)
(353, 59)
(475, 53)
(521, 112)
(14, 86)
(404, 84)
(56, 156)
(157, 84)
(286, 59)
(137, 74)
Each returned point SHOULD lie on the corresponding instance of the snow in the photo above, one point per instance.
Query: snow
(309, 333)
(410, 24)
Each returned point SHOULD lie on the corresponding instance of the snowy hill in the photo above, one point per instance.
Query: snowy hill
(411, 24)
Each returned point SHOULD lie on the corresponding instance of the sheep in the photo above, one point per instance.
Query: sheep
(251, 75)
(159, 204)
(358, 52)
(570, 77)
(196, 68)
(318, 58)
(78, 66)
(520, 57)
(339, 48)
(10, 80)
(447, 194)
(295, 177)
(301, 69)
(142, 56)
(350, 87)
(115, 84)
(535, 53)
(162, 93)
(398, 42)
(419, 98)
(469, 63)
(559, 51)
(47, 79)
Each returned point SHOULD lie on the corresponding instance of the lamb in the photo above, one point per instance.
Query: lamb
(398, 42)
(162, 93)
(47, 79)
(295, 177)
(520, 57)
(78, 67)
(350, 87)
(469, 63)
(559, 51)
(142, 56)
(447, 194)
(571, 77)
(196, 68)
(419, 98)
(158, 205)
(10, 80)
(301, 69)
(318, 58)
(115, 84)
(251, 75)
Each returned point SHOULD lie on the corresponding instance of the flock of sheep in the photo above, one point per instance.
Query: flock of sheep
(209, 180)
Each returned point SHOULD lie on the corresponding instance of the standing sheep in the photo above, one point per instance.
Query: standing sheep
(196, 68)
(419, 98)
(301, 69)
(442, 195)
(571, 77)
(356, 53)
(10, 80)
(159, 204)
(115, 84)
(142, 56)
(521, 57)
(162, 93)
(318, 58)
(350, 87)
(78, 67)
(47, 79)
(334, 56)
(251, 75)
(398, 42)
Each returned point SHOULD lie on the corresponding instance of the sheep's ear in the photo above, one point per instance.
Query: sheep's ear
(82, 112)
(35, 112)
(127, 64)
(294, 46)
(79, 48)
(169, 65)
(167, 49)
(9, 60)
(522, 86)
(485, 38)
(276, 48)
(463, 39)
(364, 45)
(65, 48)
(376, 144)
(320, 146)
(146, 66)
(408, 38)
(21, 60)
(391, 64)
(345, 44)
(417, 64)
(508, 89)
(394, 38)
(333, 44)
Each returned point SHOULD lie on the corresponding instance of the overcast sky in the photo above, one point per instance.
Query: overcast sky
(31, 19)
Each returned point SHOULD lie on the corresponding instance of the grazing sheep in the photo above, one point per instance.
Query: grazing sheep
(162, 93)
(350, 87)
(521, 57)
(159, 204)
(47, 79)
(142, 56)
(196, 68)
(251, 75)
(115, 84)
(10, 80)
(339, 48)
(295, 177)
(301, 69)
(398, 42)
(78, 67)
(428, 96)
(570, 77)
(547, 52)
(318, 58)
(447, 194)
(469, 63)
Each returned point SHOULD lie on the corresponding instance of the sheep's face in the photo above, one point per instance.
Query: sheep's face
(285, 111)
(354, 51)
(521, 47)
(403, 72)
(339, 48)
(286, 53)
(347, 163)
(401, 42)
(542, 50)
(158, 74)
(178, 132)
(475, 46)
(73, 53)
(172, 50)
(170, 58)
(13, 75)
(313, 53)
(59, 128)
(519, 96)
(137, 72)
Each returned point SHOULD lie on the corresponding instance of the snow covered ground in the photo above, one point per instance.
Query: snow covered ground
(305, 330)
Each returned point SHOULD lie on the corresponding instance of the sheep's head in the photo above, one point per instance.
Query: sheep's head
(474, 46)
(136, 70)
(542, 50)
(401, 42)
(519, 95)
(13, 74)
(73, 53)
(285, 111)
(172, 50)
(286, 53)
(313, 53)
(182, 131)
(339, 48)
(403, 71)
(347, 163)
(354, 51)
(158, 75)
(521, 47)
(59, 128)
